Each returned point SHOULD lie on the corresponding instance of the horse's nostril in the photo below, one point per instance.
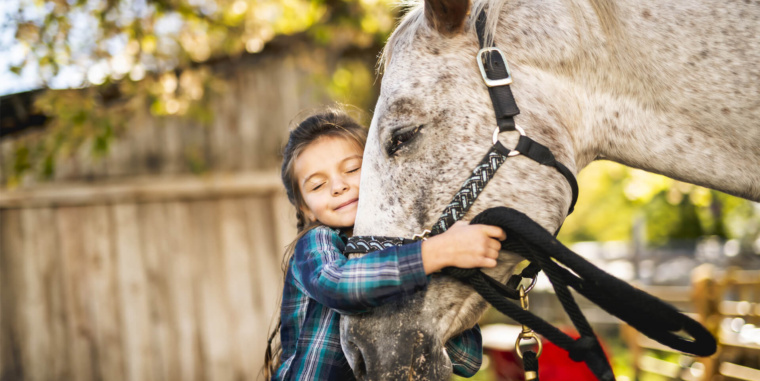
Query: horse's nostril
(359, 366)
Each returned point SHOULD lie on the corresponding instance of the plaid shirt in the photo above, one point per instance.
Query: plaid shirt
(321, 283)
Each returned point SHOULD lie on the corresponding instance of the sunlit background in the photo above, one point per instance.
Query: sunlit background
(143, 220)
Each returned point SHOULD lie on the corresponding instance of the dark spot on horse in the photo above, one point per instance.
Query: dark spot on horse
(690, 140)
(703, 53)
(446, 77)
(616, 114)
(725, 111)
(421, 207)
(441, 117)
(646, 14)
(435, 51)
(403, 107)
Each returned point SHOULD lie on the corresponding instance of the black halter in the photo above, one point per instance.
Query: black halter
(525, 237)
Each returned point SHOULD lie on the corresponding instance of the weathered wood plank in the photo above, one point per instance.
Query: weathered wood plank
(214, 302)
(119, 157)
(34, 348)
(172, 150)
(237, 247)
(145, 144)
(80, 331)
(224, 141)
(284, 219)
(278, 119)
(103, 293)
(195, 156)
(184, 290)
(53, 279)
(45, 353)
(11, 247)
(154, 227)
(265, 266)
(7, 158)
(248, 123)
(132, 279)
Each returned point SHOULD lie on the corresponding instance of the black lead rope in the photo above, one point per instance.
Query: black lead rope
(646, 313)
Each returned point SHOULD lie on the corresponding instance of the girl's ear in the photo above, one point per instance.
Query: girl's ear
(308, 214)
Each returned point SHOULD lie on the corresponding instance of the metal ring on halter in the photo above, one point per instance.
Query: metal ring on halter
(527, 336)
(531, 285)
(496, 138)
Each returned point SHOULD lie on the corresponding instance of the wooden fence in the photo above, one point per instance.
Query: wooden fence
(726, 302)
(155, 288)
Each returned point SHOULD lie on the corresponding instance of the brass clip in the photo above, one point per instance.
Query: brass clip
(526, 333)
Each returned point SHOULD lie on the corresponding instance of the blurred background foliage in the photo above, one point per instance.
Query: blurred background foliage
(614, 197)
(119, 55)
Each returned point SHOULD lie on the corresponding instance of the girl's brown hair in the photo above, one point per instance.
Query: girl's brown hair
(332, 123)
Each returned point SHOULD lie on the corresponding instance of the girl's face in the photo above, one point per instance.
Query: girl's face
(328, 172)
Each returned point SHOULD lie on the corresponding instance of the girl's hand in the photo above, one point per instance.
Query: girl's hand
(463, 245)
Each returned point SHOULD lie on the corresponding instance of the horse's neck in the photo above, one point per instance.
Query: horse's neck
(707, 153)
(676, 97)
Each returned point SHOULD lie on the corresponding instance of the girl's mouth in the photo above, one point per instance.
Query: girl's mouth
(349, 202)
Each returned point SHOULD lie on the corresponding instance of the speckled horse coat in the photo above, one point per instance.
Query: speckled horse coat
(671, 87)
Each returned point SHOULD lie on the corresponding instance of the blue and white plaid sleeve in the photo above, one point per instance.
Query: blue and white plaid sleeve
(466, 352)
(355, 285)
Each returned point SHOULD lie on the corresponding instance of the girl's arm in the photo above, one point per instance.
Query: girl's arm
(466, 352)
(353, 286)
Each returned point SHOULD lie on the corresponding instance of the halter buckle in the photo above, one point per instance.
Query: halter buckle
(493, 82)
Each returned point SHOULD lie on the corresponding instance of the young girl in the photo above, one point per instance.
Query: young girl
(321, 170)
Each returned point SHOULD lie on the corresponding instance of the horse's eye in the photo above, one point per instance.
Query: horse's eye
(401, 137)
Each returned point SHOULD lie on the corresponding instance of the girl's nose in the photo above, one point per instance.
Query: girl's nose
(339, 186)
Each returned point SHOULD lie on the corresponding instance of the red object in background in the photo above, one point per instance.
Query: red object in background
(554, 364)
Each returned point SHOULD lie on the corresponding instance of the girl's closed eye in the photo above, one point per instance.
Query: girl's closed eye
(354, 170)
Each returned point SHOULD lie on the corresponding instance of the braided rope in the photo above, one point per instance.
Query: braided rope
(470, 190)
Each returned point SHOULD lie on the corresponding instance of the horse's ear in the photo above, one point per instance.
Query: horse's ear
(447, 16)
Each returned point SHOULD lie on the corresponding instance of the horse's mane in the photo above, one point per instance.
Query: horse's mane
(415, 19)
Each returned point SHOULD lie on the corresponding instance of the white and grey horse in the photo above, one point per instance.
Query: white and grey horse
(671, 87)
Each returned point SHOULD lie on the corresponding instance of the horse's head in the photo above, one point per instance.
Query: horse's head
(433, 123)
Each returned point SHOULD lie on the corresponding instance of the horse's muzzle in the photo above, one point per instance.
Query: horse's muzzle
(394, 354)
